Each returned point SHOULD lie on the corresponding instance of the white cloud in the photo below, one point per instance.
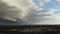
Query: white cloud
(58, 0)
(51, 11)
(50, 19)
(41, 9)
(47, 0)
(57, 17)
(54, 18)
(54, 21)
(41, 3)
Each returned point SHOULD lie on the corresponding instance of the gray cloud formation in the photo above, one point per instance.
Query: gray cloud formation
(15, 10)
(7, 11)
(21, 10)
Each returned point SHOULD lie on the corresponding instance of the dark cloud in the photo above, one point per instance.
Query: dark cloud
(9, 12)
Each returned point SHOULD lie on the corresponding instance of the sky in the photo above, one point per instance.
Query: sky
(52, 16)
(31, 11)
